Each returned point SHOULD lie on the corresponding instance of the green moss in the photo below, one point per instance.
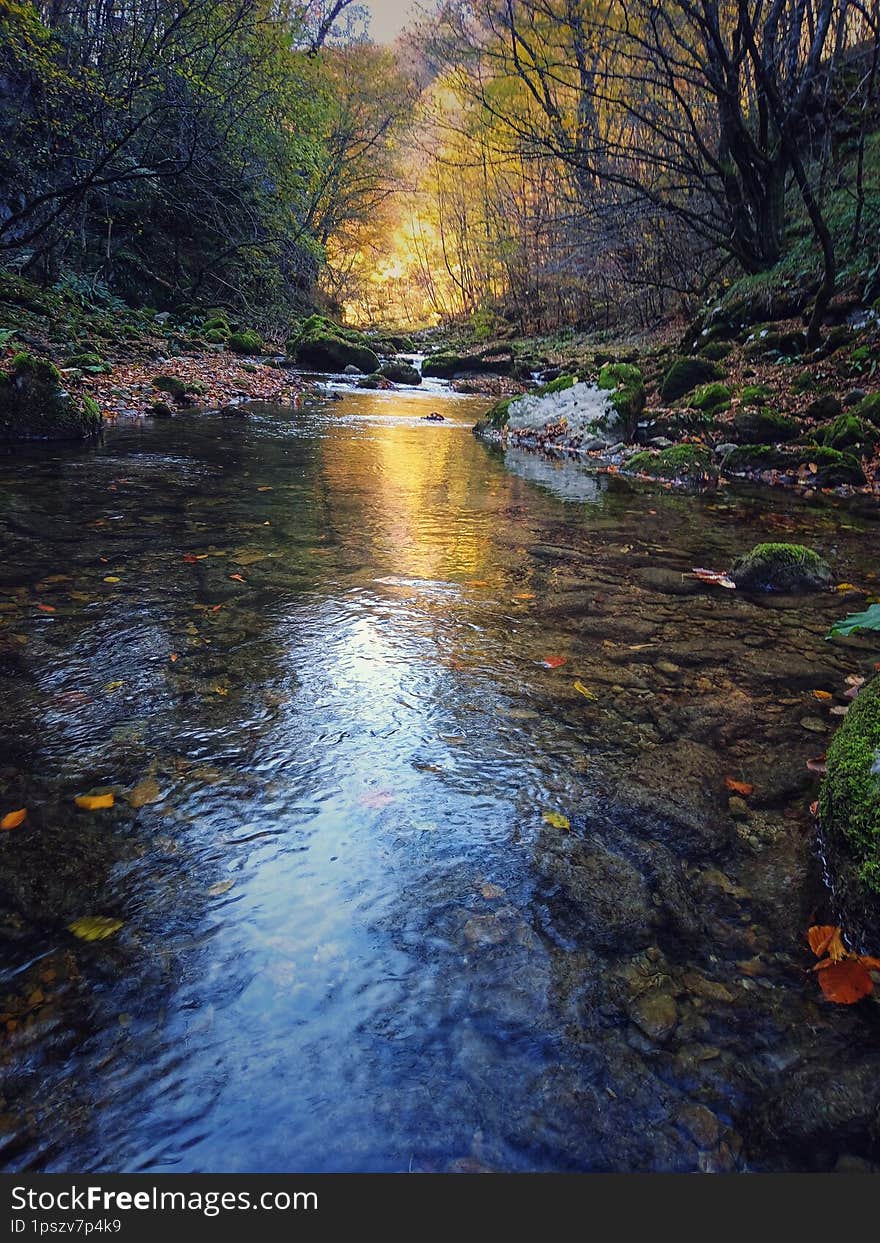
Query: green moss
(559, 385)
(849, 800)
(685, 374)
(755, 395)
(832, 466)
(246, 342)
(215, 336)
(691, 463)
(324, 352)
(401, 373)
(764, 426)
(715, 350)
(803, 382)
(172, 385)
(869, 408)
(442, 366)
(35, 406)
(91, 362)
(710, 398)
(619, 375)
(499, 414)
(770, 342)
(216, 323)
(781, 567)
(847, 431)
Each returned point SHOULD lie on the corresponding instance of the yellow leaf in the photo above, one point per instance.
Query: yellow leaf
(220, 690)
(822, 695)
(845, 587)
(556, 820)
(94, 802)
(112, 578)
(94, 927)
(113, 686)
(13, 819)
(584, 690)
(222, 886)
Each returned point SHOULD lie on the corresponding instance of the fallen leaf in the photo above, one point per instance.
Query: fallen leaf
(556, 820)
(265, 488)
(113, 686)
(524, 595)
(112, 578)
(94, 927)
(94, 802)
(584, 690)
(846, 982)
(845, 587)
(173, 657)
(739, 787)
(822, 695)
(46, 608)
(221, 886)
(826, 939)
(13, 819)
(814, 807)
(818, 765)
(220, 690)
(717, 578)
(237, 578)
(554, 662)
(216, 608)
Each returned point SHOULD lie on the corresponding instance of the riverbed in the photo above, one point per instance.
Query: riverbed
(422, 841)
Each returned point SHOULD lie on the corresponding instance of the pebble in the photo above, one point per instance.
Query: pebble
(655, 1013)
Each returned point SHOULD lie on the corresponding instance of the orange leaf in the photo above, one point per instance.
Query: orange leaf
(846, 982)
(822, 695)
(825, 939)
(46, 608)
(13, 819)
(873, 964)
(741, 787)
(554, 662)
(237, 578)
(94, 802)
(216, 608)
(814, 807)
(524, 595)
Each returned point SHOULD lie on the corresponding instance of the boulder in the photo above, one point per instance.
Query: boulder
(322, 345)
(246, 342)
(685, 374)
(849, 801)
(787, 568)
(683, 463)
(764, 426)
(400, 372)
(34, 405)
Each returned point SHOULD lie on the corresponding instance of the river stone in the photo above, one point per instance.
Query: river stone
(787, 568)
(655, 1013)
(699, 1123)
(34, 405)
(667, 582)
(682, 784)
(612, 897)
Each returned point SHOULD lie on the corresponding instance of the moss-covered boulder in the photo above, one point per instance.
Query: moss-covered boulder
(627, 396)
(685, 374)
(847, 431)
(770, 342)
(755, 395)
(442, 366)
(34, 405)
(559, 385)
(181, 390)
(849, 800)
(680, 463)
(826, 468)
(764, 426)
(246, 342)
(711, 398)
(869, 408)
(92, 363)
(401, 373)
(498, 415)
(824, 407)
(323, 345)
(789, 568)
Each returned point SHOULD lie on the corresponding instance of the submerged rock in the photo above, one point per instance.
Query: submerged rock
(787, 568)
(34, 405)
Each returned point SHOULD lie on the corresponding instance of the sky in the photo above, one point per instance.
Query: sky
(388, 17)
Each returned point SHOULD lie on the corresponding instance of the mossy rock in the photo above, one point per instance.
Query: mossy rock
(401, 373)
(847, 431)
(442, 366)
(92, 363)
(35, 406)
(246, 342)
(685, 374)
(827, 406)
(559, 385)
(767, 341)
(179, 389)
(710, 398)
(788, 568)
(161, 410)
(755, 395)
(493, 360)
(869, 408)
(218, 324)
(498, 415)
(803, 382)
(22, 293)
(764, 426)
(849, 805)
(317, 350)
(390, 343)
(716, 351)
(619, 375)
(215, 336)
(833, 467)
(687, 463)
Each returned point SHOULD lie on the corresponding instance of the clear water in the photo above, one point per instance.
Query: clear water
(411, 968)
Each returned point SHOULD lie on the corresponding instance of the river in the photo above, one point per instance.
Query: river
(348, 673)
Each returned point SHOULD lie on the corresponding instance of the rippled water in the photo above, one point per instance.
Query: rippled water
(411, 969)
